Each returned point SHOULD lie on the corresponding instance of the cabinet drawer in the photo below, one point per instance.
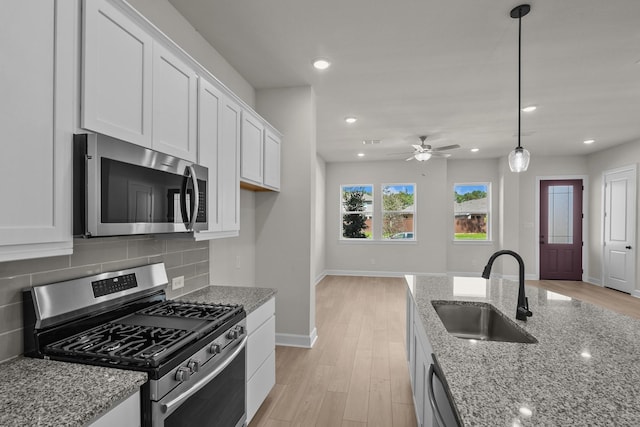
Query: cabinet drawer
(261, 343)
(259, 386)
(260, 315)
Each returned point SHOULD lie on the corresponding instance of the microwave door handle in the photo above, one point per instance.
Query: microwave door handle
(170, 406)
(196, 198)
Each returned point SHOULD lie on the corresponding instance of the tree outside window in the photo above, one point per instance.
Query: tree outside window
(357, 211)
(471, 211)
(398, 211)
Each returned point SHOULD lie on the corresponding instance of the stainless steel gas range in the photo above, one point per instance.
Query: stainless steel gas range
(194, 354)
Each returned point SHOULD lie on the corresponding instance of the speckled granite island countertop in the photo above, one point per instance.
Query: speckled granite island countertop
(250, 297)
(45, 393)
(584, 370)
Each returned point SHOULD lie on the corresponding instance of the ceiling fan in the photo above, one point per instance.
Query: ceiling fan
(424, 152)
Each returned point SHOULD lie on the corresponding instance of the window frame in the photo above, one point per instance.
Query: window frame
(489, 214)
(383, 212)
(340, 217)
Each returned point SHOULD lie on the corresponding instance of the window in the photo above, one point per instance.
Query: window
(357, 211)
(471, 211)
(398, 211)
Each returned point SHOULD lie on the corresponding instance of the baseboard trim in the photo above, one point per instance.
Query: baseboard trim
(369, 273)
(294, 340)
(320, 277)
(636, 293)
(593, 281)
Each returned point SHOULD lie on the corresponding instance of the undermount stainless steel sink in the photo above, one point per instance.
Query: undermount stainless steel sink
(480, 321)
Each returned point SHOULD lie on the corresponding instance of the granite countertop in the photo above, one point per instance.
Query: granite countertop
(38, 392)
(584, 370)
(250, 297)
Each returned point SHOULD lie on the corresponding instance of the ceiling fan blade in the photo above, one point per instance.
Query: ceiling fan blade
(410, 158)
(446, 147)
(440, 155)
(397, 154)
(418, 147)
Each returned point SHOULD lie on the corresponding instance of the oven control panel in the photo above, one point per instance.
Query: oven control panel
(114, 284)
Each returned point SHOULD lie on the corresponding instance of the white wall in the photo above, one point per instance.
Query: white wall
(321, 217)
(426, 255)
(164, 16)
(233, 259)
(285, 235)
(597, 164)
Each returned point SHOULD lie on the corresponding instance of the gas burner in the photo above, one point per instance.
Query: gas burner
(128, 344)
(192, 310)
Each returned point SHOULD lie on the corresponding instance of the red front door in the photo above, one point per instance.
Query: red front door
(561, 229)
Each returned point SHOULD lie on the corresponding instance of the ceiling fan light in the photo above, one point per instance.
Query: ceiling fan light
(422, 157)
(519, 160)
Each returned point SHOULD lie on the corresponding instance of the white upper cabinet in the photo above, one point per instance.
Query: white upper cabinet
(117, 74)
(210, 104)
(37, 76)
(259, 154)
(229, 165)
(271, 160)
(174, 105)
(252, 142)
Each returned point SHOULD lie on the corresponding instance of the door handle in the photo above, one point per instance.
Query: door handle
(628, 247)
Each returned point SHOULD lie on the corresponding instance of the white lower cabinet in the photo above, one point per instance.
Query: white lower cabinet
(261, 356)
(37, 75)
(419, 354)
(125, 414)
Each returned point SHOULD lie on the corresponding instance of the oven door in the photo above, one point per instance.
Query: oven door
(217, 398)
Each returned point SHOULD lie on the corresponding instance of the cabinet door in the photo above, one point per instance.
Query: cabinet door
(229, 165)
(125, 414)
(251, 146)
(117, 61)
(174, 105)
(36, 119)
(209, 134)
(271, 160)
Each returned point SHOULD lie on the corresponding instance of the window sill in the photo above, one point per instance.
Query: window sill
(371, 242)
(473, 242)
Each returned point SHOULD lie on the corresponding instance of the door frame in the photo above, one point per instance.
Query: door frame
(631, 167)
(585, 220)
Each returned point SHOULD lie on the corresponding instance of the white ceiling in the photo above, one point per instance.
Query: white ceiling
(443, 68)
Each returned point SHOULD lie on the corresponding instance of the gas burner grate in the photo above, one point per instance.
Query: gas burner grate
(218, 313)
(124, 344)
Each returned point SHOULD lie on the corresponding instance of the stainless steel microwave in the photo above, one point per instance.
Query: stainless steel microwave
(122, 188)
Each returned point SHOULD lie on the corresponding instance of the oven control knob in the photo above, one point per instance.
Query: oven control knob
(183, 374)
(194, 366)
(240, 330)
(232, 335)
(214, 349)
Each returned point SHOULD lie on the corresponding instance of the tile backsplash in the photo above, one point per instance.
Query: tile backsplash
(181, 257)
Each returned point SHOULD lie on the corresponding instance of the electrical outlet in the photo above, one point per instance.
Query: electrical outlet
(177, 283)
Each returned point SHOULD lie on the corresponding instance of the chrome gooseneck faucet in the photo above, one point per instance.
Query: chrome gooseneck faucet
(522, 312)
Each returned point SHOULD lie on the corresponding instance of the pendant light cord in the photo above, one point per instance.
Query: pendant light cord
(519, 71)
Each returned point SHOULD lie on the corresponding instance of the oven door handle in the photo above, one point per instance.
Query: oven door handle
(173, 403)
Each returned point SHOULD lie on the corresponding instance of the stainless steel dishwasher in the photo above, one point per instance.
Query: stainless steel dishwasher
(444, 411)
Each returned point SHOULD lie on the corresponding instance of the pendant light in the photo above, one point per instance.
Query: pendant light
(519, 157)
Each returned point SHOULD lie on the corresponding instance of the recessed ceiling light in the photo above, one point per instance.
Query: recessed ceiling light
(589, 141)
(350, 120)
(360, 154)
(321, 63)
(475, 150)
(529, 108)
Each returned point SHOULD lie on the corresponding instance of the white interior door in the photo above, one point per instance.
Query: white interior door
(619, 229)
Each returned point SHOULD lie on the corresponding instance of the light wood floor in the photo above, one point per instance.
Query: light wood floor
(357, 374)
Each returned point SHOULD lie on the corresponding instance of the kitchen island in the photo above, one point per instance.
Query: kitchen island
(584, 370)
